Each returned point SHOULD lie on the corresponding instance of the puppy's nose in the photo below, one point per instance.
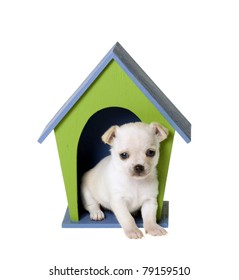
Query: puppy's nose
(139, 168)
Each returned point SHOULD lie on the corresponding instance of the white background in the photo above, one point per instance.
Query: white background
(190, 50)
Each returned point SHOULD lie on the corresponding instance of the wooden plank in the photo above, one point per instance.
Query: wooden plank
(110, 220)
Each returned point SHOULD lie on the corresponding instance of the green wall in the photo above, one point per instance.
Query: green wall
(113, 88)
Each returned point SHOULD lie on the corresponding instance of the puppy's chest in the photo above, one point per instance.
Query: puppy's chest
(135, 198)
(134, 202)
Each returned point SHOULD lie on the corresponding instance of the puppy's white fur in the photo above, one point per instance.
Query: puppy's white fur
(126, 181)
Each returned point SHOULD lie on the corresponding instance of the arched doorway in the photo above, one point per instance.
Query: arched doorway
(91, 149)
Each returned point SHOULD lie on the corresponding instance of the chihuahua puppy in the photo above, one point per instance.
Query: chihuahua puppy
(126, 181)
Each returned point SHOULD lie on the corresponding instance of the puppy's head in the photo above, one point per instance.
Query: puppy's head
(135, 147)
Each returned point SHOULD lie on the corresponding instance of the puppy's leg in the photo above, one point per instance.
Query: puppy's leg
(91, 205)
(125, 219)
(149, 209)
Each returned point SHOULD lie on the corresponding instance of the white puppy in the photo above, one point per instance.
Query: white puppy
(126, 181)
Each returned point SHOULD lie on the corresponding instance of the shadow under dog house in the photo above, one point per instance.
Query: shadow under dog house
(117, 91)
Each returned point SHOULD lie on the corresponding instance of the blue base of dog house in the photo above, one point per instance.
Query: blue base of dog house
(110, 220)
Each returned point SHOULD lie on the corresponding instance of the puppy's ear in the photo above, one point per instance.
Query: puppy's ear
(160, 131)
(109, 135)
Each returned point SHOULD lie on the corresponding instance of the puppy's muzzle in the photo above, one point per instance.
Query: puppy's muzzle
(139, 169)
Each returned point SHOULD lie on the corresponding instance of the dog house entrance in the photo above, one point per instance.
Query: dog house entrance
(91, 149)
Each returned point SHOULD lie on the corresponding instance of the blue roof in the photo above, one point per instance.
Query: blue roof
(141, 79)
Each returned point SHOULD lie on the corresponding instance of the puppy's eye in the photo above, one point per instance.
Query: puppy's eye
(124, 155)
(150, 153)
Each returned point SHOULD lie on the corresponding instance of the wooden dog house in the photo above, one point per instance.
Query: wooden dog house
(116, 92)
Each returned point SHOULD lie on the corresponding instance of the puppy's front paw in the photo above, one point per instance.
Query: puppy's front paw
(155, 230)
(97, 215)
(133, 233)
